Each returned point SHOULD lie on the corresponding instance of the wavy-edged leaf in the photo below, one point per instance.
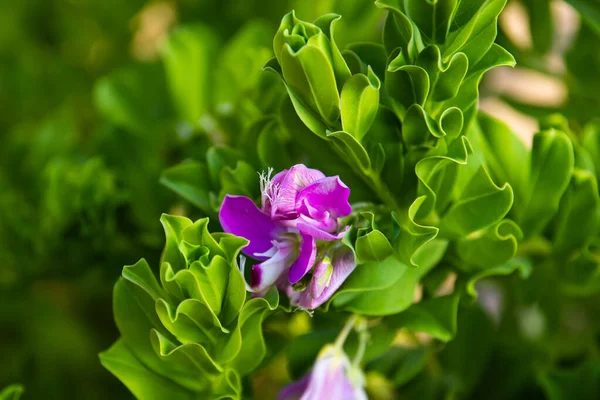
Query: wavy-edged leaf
(359, 103)
(494, 246)
(552, 163)
(411, 236)
(399, 31)
(436, 317)
(253, 348)
(139, 379)
(578, 215)
(368, 278)
(404, 84)
(307, 116)
(341, 71)
(491, 134)
(309, 74)
(522, 265)
(419, 128)
(477, 36)
(373, 246)
(348, 145)
(480, 205)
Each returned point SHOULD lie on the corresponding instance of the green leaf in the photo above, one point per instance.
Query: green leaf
(419, 128)
(174, 227)
(589, 11)
(552, 162)
(369, 278)
(135, 317)
(541, 24)
(310, 118)
(373, 246)
(467, 97)
(239, 63)
(272, 149)
(12, 392)
(352, 148)
(399, 31)
(432, 17)
(581, 382)
(212, 280)
(436, 317)
(400, 364)
(580, 276)
(359, 103)
(405, 85)
(142, 381)
(490, 134)
(412, 236)
(141, 275)
(235, 296)
(398, 295)
(309, 74)
(591, 142)
(451, 78)
(578, 215)
(253, 343)
(480, 205)
(189, 54)
(341, 71)
(494, 246)
(478, 35)
(522, 265)
(370, 55)
(135, 98)
(191, 181)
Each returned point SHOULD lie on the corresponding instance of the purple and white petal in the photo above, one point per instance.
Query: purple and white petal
(305, 260)
(327, 195)
(241, 217)
(314, 295)
(305, 228)
(329, 379)
(287, 186)
(267, 273)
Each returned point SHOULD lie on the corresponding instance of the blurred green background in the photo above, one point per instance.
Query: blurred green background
(89, 119)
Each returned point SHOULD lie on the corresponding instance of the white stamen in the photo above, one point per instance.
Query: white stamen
(268, 189)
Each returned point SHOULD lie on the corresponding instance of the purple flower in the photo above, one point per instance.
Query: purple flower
(299, 207)
(307, 200)
(327, 276)
(332, 377)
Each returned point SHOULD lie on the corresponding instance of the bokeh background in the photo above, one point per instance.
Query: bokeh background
(89, 121)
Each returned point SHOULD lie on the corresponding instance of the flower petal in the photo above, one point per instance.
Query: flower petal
(289, 185)
(266, 274)
(294, 390)
(305, 260)
(240, 216)
(328, 379)
(315, 295)
(319, 234)
(327, 195)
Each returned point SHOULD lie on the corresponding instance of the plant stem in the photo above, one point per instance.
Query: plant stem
(374, 181)
(339, 342)
(363, 336)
